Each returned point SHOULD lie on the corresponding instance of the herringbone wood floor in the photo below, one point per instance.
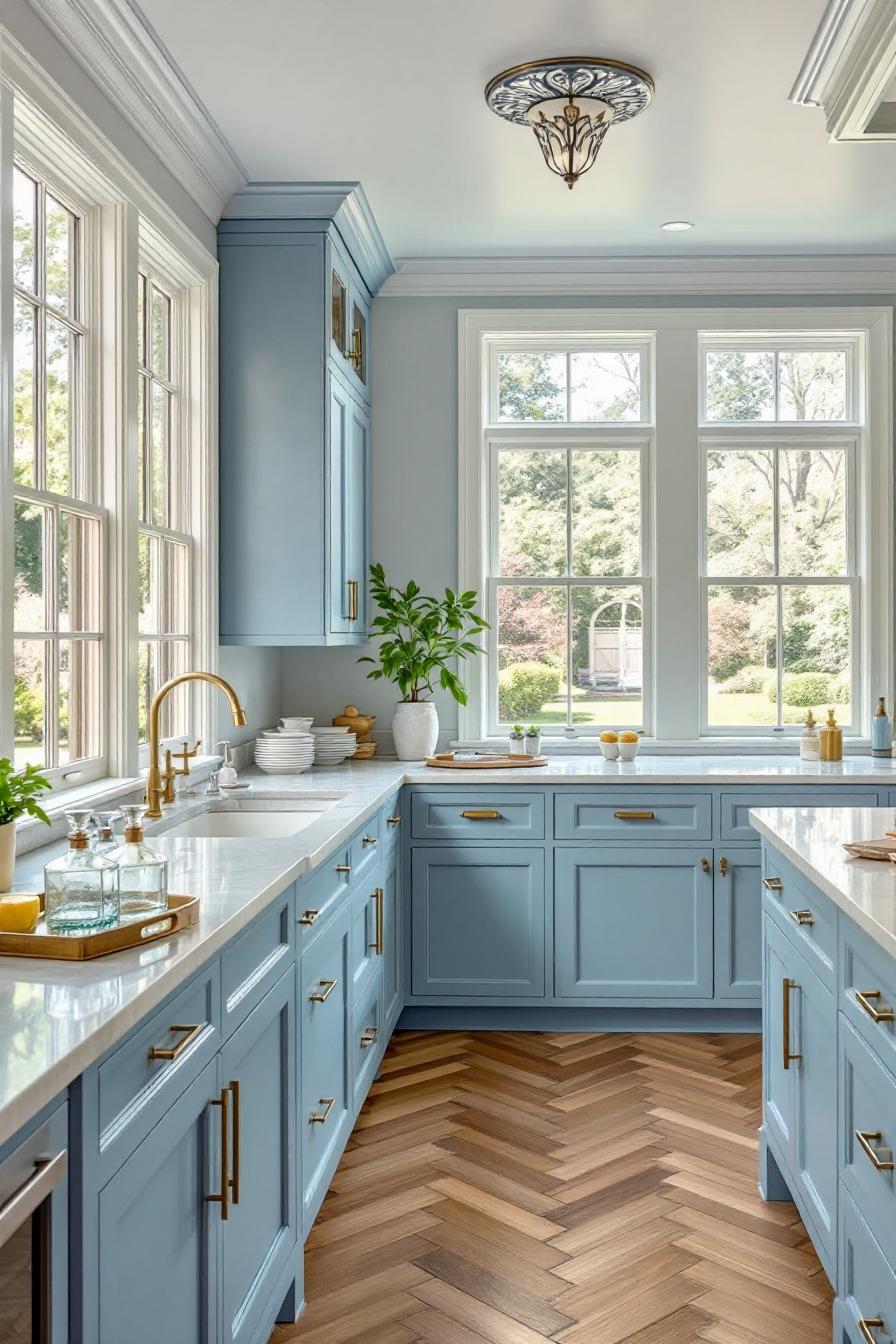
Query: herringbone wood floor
(587, 1189)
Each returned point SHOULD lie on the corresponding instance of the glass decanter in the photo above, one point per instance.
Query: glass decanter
(81, 888)
(142, 871)
(106, 841)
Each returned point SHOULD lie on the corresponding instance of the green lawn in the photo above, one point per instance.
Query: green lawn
(735, 711)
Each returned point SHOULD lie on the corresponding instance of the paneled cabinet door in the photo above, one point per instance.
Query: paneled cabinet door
(392, 948)
(633, 923)
(738, 922)
(258, 1066)
(347, 544)
(778, 1066)
(158, 1231)
(477, 917)
(815, 1029)
(325, 1103)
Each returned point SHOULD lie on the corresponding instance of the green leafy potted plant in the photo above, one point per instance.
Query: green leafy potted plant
(420, 637)
(517, 740)
(18, 798)
(533, 740)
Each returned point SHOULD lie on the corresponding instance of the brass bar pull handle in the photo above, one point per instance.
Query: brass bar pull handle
(14, 1213)
(482, 814)
(326, 989)
(235, 1170)
(352, 585)
(882, 1014)
(369, 840)
(635, 816)
(368, 1036)
(377, 946)
(866, 1140)
(224, 1198)
(802, 917)
(192, 1032)
(393, 821)
(773, 884)
(705, 865)
(723, 867)
(343, 868)
(309, 916)
(328, 1103)
(867, 1326)
(354, 355)
(788, 1055)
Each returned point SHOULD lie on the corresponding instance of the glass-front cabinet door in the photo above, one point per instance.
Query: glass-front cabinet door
(347, 489)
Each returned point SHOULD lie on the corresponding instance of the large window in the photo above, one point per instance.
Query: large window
(683, 530)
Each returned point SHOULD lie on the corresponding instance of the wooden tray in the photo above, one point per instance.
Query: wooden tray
(181, 913)
(486, 761)
(882, 850)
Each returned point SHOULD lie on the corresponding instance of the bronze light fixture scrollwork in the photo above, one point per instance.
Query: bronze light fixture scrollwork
(570, 102)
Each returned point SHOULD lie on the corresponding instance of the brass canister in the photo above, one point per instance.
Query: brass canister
(830, 740)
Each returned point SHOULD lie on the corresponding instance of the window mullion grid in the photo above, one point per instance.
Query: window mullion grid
(569, 650)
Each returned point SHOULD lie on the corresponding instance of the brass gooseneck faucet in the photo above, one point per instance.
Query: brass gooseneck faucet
(155, 782)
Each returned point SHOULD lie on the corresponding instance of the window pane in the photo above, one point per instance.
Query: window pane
(740, 385)
(531, 386)
(816, 625)
(28, 694)
(740, 512)
(141, 320)
(812, 385)
(30, 600)
(742, 629)
(161, 411)
(175, 720)
(23, 383)
(173, 582)
(80, 699)
(143, 504)
(605, 386)
(607, 657)
(147, 680)
(812, 504)
(531, 638)
(532, 512)
(60, 410)
(24, 230)
(160, 333)
(148, 619)
(78, 572)
(60, 260)
(606, 512)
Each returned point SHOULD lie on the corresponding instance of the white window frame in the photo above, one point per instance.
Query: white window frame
(675, 714)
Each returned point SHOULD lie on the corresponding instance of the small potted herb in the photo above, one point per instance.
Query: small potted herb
(18, 798)
(517, 740)
(533, 740)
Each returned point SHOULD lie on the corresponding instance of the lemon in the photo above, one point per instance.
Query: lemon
(18, 914)
(628, 737)
(609, 736)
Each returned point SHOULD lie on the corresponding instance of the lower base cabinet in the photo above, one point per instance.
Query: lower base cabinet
(393, 952)
(737, 892)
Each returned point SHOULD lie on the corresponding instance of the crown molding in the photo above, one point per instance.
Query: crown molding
(596, 276)
(127, 59)
(849, 68)
(344, 203)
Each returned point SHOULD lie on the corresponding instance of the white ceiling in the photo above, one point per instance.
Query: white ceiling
(390, 92)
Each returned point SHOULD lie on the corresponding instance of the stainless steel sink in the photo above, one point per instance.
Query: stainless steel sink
(251, 819)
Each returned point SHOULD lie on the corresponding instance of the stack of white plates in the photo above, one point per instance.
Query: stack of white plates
(333, 745)
(284, 751)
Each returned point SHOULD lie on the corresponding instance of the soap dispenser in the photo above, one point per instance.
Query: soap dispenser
(142, 871)
(830, 740)
(809, 739)
(227, 775)
(81, 888)
(881, 731)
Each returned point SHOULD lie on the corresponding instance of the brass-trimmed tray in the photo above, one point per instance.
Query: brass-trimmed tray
(881, 850)
(181, 913)
(485, 761)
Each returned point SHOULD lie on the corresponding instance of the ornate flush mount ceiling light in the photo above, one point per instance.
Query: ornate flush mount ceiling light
(570, 102)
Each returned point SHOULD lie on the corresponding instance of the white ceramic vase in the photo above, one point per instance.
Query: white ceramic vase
(415, 729)
(7, 855)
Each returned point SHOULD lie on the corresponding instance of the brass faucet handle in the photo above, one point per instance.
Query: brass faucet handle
(185, 756)
(168, 776)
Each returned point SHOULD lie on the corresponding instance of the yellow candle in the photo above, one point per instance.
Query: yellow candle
(18, 914)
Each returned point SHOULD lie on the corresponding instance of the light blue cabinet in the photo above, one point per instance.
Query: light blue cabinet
(347, 490)
(633, 923)
(393, 995)
(737, 908)
(477, 921)
(778, 1073)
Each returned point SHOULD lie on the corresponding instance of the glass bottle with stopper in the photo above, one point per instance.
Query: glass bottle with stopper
(143, 871)
(106, 840)
(81, 888)
(881, 731)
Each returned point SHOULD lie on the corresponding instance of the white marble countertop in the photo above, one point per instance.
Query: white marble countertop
(57, 1018)
(812, 839)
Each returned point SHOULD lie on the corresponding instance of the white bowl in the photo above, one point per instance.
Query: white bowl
(298, 721)
(609, 750)
(628, 750)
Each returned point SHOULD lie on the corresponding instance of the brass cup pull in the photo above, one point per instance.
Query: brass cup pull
(883, 1014)
(192, 1033)
(867, 1325)
(867, 1139)
(328, 1103)
(705, 865)
(352, 585)
(309, 916)
(773, 884)
(393, 821)
(377, 945)
(326, 989)
(235, 1124)
(804, 918)
(788, 1055)
(368, 1036)
(343, 868)
(224, 1197)
(635, 816)
(369, 840)
(354, 355)
(482, 814)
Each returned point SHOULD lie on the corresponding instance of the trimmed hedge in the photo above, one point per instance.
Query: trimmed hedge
(804, 689)
(524, 688)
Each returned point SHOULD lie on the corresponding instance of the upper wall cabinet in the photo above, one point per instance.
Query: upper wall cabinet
(299, 266)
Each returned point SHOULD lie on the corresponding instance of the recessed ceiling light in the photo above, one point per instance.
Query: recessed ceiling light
(677, 225)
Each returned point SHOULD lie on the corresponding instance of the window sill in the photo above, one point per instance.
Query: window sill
(703, 746)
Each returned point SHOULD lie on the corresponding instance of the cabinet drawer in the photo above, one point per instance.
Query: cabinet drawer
(367, 1040)
(254, 961)
(868, 992)
(620, 814)
(477, 814)
(867, 1283)
(806, 914)
(734, 808)
(137, 1083)
(868, 1144)
(318, 894)
(366, 847)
